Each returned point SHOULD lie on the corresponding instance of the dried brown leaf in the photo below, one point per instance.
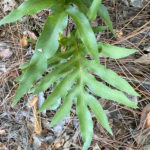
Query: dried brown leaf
(23, 41)
(148, 120)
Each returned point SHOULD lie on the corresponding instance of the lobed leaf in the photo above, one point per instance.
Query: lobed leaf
(26, 8)
(114, 51)
(65, 107)
(104, 91)
(99, 112)
(111, 77)
(86, 123)
(29, 77)
(93, 9)
(46, 46)
(48, 41)
(85, 31)
(60, 90)
(54, 75)
(103, 13)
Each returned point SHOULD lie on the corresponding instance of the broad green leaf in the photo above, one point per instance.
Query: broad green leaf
(111, 77)
(54, 75)
(60, 90)
(114, 51)
(30, 76)
(86, 124)
(99, 112)
(104, 91)
(47, 42)
(65, 107)
(85, 31)
(103, 13)
(93, 9)
(26, 8)
(99, 28)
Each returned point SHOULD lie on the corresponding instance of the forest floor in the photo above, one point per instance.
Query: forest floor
(131, 21)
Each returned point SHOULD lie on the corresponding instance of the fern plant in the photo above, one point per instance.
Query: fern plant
(71, 71)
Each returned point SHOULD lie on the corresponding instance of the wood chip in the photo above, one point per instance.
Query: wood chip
(33, 101)
(37, 121)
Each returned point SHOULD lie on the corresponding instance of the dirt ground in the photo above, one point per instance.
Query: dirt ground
(131, 23)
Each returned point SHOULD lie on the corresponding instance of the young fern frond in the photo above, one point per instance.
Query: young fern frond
(71, 68)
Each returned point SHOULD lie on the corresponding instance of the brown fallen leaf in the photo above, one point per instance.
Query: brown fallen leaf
(24, 41)
(145, 117)
(148, 120)
(5, 53)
